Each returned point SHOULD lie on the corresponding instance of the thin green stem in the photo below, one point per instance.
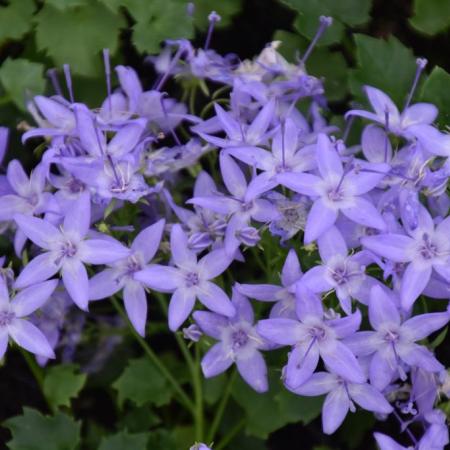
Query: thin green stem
(221, 408)
(192, 95)
(182, 397)
(230, 435)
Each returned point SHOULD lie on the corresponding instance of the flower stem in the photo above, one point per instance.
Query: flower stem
(221, 408)
(230, 435)
(182, 397)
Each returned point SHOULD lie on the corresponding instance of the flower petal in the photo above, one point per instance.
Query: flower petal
(253, 370)
(319, 383)
(291, 271)
(303, 183)
(78, 217)
(369, 398)
(148, 240)
(160, 278)
(215, 299)
(135, 302)
(29, 337)
(331, 243)
(328, 160)
(180, 306)
(41, 232)
(210, 323)
(421, 326)
(216, 361)
(38, 269)
(302, 362)
(214, 263)
(32, 297)
(320, 219)
(261, 292)
(383, 367)
(382, 309)
(281, 331)
(76, 282)
(391, 246)
(181, 255)
(364, 213)
(104, 284)
(232, 176)
(102, 251)
(414, 281)
(334, 410)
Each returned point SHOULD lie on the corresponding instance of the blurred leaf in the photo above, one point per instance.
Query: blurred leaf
(157, 21)
(213, 388)
(322, 63)
(19, 78)
(77, 34)
(141, 382)
(123, 440)
(184, 436)
(161, 440)
(355, 428)
(15, 19)
(436, 89)
(386, 65)
(62, 383)
(431, 16)
(439, 338)
(138, 419)
(298, 409)
(343, 12)
(62, 5)
(226, 11)
(33, 431)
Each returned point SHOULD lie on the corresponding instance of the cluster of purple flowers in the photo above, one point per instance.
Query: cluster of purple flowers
(377, 212)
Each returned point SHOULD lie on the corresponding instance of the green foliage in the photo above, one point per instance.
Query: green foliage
(141, 382)
(226, 10)
(124, 440)
(93, 26)
(33, 431)
(20, 79)
(62, 383)
(15, 19)
(387, 65)
(268, 412)
(436, 89)
(431, 16)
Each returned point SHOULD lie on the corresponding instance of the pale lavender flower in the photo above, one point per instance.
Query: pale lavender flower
(120, 275)
(312, 336)
(341, 396)
(67, 249)
(188, 280)
(336, 190)
(393, 343)
(12, 318)
(239, 343)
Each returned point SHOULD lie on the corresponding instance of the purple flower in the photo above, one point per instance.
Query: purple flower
(284, 295)
(12, 318)
(121, 276)
(340, 398)
(188, 280)
(335, 191)
(200, 446)
(393, 343)
(426, 248)
(66, 250)
(312, 336)
(340, 272)
(239, 343)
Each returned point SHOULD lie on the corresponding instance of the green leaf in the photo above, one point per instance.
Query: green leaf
(19, 78)
(77, 34)
(123, 440)
(157, 21)
(62, 5)
(15, 19)
(436, 89)
(213, 388)
(33, 431)
(344, 12)
(431, 16)
(298, 409)
(323, 63)
(439, 338)
(386, 65)
(141, 382)
(226, 11)
(162, 440)
(62, 383)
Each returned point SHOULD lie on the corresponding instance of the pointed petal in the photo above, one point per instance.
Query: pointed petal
(135, 302)
(180, 307)
(414, 281)
(210, 323)
(55, 112)
(181, 255)
(215, 299)
(232, 176)
(78, 216)
(383, 367)
(363, 343)
(104, 284)
(216, 360)
(420, 327)
(320, 219)
(253, 370)
(33, 297)
(328, 161)
(160, 278)
(92, 139)
(419, 113)
(382, 309)
(307, 304)
(17, 178)
(376, 145)
(369, 398)
(320, 383)
(363, 181)
(11, 205)
(253, 156)
(261, 292)
(244, 310)
(334, 410)
(418, 356)
(102, 251)
(346, 326)
(76, 282)
(217, 203)
(391, 246)
(281, 331)
(315, 279)
(291, 271)
(382, 104)
(148, 240)
(126, 139)
(303, 183)
(3, 343)
(41, 232)
(261, 122)
(339, 358)
(387, 443)
(27, 336)
(331, 243)
(38, 269)
(302, 362)
(364, 213)
(230, 125)
(214, 263)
